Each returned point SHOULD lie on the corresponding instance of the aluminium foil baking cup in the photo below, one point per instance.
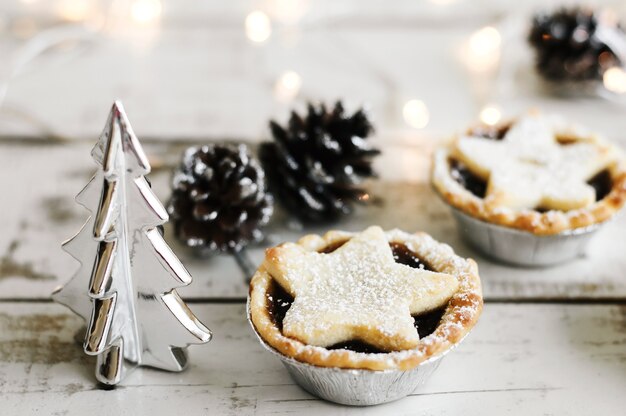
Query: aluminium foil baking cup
(522, 248)
(355, 387)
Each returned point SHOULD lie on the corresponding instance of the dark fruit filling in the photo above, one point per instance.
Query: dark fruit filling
(332, 247)
(279, 301)
(462, 174)
(467, 179)
(490, 132)
(602, 183)
(564, 140)
(403, 255)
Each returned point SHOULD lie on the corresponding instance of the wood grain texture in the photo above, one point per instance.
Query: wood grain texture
(200, 78)
(39, 213)
(520, 360)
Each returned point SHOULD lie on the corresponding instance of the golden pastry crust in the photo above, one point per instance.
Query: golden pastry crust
(539, 223)
(460, 315)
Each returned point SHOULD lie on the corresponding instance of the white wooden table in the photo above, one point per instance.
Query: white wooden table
(551, 341)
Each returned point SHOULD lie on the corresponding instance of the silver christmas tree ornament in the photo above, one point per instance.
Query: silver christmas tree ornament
(124, 288)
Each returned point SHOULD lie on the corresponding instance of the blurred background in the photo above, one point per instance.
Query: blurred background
(199, 70)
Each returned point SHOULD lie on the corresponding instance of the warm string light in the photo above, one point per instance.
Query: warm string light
(75, 10)
(145, 11)
(485, 41)
(416, 114)
(123, 14)
(288, 12)
(287, 86)
(137, 21)
(258, 26)
(490, 115)
(614, 80)
(482, 52)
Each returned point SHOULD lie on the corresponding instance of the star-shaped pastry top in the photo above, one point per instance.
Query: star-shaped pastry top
(357, 292)
(529, 168)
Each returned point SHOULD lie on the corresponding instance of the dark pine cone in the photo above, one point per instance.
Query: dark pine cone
(219, 200)
(314, 166)
(567, 46)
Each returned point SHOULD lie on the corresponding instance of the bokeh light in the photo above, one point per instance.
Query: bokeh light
(287, 86)
(483, 49)
(416, 114)
(490, 115)
(145, 11)
(614, 80)
(75, 10)
(258, 26)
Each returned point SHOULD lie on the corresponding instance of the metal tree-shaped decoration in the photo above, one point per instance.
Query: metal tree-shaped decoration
(134, 316)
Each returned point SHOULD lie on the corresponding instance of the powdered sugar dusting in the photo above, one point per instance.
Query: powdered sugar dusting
(357, 292)
(462, 311)
(528, 168)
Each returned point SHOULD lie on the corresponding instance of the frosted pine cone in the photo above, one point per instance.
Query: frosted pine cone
(316, 164)
(219, 199)
(567, 45)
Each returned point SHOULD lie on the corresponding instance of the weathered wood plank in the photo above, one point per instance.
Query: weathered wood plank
(38, 212)
(520, 360)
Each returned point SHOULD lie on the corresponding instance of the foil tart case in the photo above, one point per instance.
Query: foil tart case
(351, 386)
(522, 248)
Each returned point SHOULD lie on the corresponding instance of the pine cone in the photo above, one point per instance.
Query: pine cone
(219, 200)
(567, 46)
(315, 164)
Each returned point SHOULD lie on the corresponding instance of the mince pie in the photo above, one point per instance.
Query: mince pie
(372, 300)
(534, 174)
